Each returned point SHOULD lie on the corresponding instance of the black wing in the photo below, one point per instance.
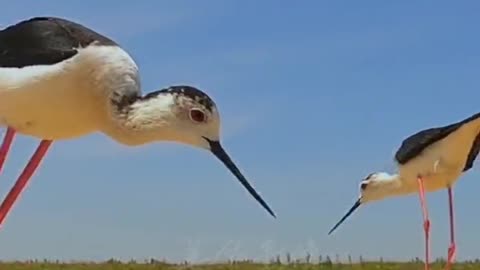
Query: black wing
(473, 154)
(44, 41)
(415, 144)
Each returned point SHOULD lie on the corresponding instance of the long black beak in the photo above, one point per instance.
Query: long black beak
(220, 153)
(354, 207)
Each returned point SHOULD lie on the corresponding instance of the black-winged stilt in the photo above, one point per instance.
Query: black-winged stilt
(60, 80)
(428, 161)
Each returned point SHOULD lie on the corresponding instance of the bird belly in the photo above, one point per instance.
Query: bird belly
(50, 110)
(68, 99)
(431, 182)
(48, 102)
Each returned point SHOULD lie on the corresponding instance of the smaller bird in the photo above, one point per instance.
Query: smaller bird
(429, 160)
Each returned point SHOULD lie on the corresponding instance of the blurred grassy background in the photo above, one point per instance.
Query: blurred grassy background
(276, 264)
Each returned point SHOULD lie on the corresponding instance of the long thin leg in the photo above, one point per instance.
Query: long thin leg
(7, 141)
(426, 221)
(23, 179)
(452, 247)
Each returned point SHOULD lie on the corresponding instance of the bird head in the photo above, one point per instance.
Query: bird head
(196, 117)
(375, 186)
(185, 114)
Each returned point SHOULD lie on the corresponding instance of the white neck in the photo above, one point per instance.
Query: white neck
(144, 121)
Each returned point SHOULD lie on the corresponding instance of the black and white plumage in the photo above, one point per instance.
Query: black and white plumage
(45, 41)
(60, 80)
(55, 73)
(438, 155)
(429, 160)
(414, 145)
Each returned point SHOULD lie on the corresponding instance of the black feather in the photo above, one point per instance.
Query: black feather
(418, 142)
(45, 41)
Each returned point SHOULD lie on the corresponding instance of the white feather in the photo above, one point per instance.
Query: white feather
(67, 99)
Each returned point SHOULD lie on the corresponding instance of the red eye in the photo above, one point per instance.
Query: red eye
(197, 115)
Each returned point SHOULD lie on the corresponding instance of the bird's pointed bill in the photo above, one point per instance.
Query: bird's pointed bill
(354, 207)
(220, 153)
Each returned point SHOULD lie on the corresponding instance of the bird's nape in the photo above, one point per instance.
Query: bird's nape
(217, 149)
(354, 207)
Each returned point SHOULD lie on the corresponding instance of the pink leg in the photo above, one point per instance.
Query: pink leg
(7, 141)
(23, 179)
(451, 248)
(426, 221)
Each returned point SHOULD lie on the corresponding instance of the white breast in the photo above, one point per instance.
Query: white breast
(68, 99)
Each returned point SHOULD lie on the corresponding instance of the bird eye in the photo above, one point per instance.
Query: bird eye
(197, 115)
(363, 185)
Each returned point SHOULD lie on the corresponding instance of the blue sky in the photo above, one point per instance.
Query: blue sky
(313, 97)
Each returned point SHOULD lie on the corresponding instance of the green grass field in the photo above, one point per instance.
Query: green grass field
(245, 265)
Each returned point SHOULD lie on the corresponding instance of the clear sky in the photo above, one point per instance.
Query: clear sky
(313, 96)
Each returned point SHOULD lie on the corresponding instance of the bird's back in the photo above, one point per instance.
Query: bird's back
(44, 41)
(57, 78)
(443, 161)
(415, 145)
